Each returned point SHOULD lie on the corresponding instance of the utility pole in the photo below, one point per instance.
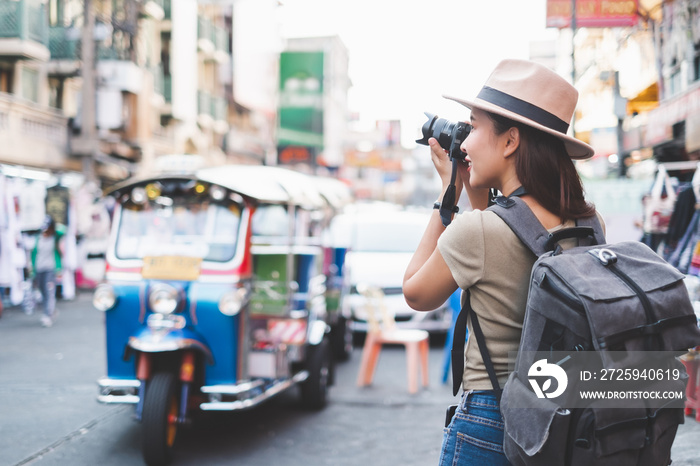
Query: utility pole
(88, 132)
(620, 109)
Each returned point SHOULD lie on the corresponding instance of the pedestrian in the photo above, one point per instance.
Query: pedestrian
(517, 145)
(46, 263)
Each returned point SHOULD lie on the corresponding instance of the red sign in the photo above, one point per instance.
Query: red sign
(592, 13)
(295, 154)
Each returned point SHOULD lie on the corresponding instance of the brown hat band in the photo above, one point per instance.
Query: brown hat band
(522, 108)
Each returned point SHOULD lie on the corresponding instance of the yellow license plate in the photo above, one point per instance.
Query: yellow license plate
(171, 267)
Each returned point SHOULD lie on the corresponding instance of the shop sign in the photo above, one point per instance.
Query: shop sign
(592, 13)
(363, 159)
(296, 154)
(301, 99)
(661, 119)
(57, 202)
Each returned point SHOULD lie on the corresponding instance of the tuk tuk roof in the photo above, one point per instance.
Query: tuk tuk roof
(264, 183)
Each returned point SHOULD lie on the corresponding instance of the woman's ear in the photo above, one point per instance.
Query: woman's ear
(512, 141)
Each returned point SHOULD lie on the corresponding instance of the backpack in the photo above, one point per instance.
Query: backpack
(613, 302)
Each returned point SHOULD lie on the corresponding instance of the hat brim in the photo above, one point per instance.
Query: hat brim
(576, 149)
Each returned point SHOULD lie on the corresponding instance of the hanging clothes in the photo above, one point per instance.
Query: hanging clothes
(683, 212)
(12, 253)
(683, 253)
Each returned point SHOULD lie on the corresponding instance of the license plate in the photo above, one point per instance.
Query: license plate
(171, 268)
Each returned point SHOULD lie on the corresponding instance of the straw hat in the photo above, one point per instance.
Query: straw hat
(534, 95)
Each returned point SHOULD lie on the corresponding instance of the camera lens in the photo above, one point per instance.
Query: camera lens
(449, 134)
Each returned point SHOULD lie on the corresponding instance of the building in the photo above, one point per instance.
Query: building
(672, 129)
(647, 78)
(159, 80)
(313, 106)
(33, 130)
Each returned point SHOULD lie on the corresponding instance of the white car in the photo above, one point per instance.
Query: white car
(381, 243)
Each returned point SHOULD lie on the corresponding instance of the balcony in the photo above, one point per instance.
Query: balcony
(219, 112)
(212, 40)
(212, 112)
(167, 10)
(24, 29)
(31, 134)
(154, 9)
(65, 47)
(204, 117)
(168, 88)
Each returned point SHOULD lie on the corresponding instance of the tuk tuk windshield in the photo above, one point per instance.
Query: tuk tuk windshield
(178, 227)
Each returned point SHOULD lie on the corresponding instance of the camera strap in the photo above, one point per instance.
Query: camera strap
(447, 206)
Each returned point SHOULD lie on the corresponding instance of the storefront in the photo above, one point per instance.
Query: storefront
(27, 195)
(673, 129)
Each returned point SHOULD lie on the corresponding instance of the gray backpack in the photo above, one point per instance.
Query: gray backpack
(602, 300)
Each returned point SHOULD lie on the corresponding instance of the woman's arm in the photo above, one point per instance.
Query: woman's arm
(428, 281)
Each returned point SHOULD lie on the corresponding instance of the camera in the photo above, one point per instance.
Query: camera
(449, 134)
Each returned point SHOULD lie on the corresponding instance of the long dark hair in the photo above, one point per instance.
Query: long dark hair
(546, 171)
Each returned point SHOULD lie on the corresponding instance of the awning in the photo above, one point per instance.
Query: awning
(645, 101)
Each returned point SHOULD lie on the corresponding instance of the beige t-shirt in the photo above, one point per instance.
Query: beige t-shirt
(486, 257)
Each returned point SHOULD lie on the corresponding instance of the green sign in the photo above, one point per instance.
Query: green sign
(301, 99)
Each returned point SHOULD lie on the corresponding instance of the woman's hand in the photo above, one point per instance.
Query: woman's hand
(443, 165)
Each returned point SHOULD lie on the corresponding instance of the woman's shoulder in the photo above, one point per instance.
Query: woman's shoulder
(482, 219)
(477, 225)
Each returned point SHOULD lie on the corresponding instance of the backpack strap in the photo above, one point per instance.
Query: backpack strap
(458, 341)
(523, 222)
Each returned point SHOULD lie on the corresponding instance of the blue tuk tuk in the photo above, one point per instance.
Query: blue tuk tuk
(221, 291)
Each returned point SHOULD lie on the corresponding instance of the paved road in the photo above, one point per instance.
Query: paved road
(49, 416)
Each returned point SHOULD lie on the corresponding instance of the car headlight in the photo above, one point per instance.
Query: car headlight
(163, 298)
(233, 301)
(104, 298)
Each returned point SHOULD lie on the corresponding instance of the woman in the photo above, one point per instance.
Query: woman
(518, 140)
(46, 263)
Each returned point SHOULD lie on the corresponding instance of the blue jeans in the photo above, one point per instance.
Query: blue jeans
(475, 434)
(46, 281)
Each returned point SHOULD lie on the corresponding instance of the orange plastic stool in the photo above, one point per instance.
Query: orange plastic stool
(417, 347)
(383, 332)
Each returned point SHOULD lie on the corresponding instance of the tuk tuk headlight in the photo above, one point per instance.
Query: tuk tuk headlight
(163, 298)
(104, 298)
(233, 301)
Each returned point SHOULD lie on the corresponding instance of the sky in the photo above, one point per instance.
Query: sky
(405, 54)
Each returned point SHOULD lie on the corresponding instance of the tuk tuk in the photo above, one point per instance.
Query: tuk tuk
(220, 291)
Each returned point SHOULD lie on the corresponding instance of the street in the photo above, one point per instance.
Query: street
(50, 415)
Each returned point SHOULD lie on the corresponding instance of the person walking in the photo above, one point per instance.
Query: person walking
(46, 263)
(517, 145)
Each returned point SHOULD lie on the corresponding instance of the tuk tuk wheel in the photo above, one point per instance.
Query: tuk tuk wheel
(342, 339)
(160, 412)
(314, 390)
